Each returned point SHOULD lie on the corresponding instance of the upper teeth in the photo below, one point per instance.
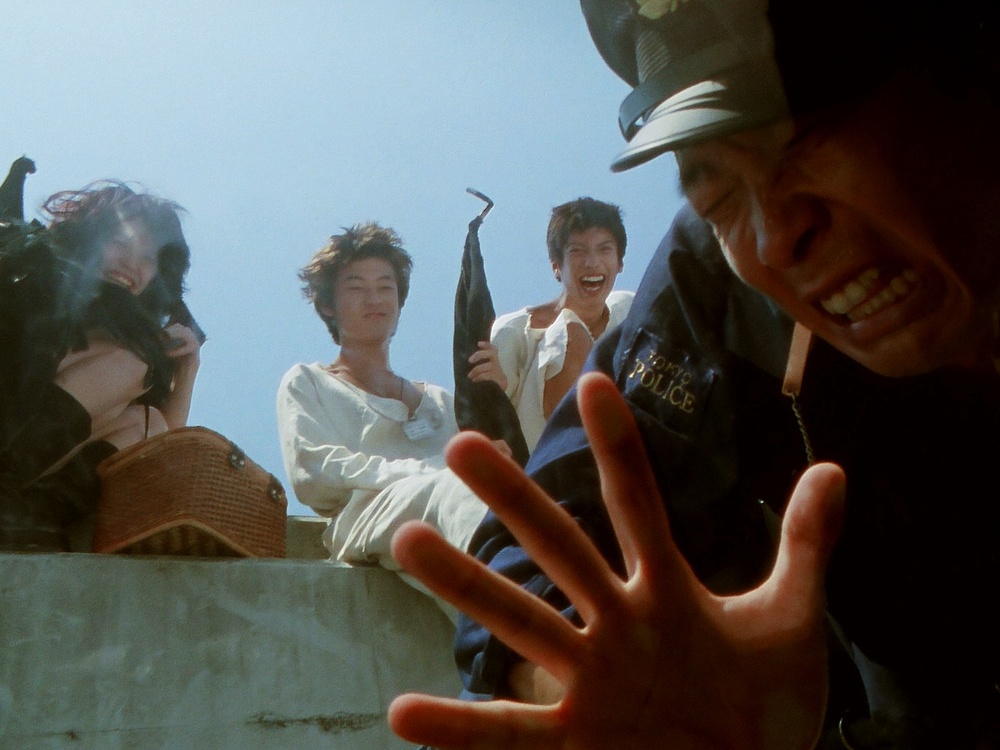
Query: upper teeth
(593, 279)
(856, 301)
(120, 279)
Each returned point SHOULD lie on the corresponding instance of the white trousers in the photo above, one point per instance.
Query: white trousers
(362, 533)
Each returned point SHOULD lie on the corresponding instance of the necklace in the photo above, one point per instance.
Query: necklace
(598, 328)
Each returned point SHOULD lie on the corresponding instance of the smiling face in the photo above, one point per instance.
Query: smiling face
(130, 256)
(590, 264)
(866, 227)
(365, 301)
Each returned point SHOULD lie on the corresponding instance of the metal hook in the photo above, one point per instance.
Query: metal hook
(489, 203)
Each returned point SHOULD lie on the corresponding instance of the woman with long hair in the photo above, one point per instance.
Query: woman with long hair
(99, 350)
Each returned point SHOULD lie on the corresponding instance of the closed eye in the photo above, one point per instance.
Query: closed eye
(707, 189)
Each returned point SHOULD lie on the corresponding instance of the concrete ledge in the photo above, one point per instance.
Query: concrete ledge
(304, 538)
(153, 652)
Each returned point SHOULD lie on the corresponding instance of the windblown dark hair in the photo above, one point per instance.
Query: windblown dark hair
(81, 221)
(579, 216)
(367, 240)
(53, 294)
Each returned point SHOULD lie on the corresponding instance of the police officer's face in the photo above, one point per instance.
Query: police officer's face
(860, 227)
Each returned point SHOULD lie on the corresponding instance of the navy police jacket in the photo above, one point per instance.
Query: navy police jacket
(913, 581)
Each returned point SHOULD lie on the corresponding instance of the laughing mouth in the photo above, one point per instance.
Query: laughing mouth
(120, 279)
(865, 295)
(592, 282)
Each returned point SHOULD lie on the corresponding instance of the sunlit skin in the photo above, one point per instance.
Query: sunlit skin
(659, 661)
(589, 266)
(847, 224)
(366, 303)
(106, 378)
(130, 257)
(366, 308)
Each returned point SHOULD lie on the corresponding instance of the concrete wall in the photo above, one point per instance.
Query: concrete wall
(118, 652)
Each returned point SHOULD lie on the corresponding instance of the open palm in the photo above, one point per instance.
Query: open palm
(660, 661)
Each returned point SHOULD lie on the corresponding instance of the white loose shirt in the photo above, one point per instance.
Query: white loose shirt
(341, 444)
(530, 356)
(363, 461)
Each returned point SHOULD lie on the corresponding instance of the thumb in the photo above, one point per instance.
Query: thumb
(809, 531)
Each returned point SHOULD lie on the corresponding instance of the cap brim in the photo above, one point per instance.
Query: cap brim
(706, 110)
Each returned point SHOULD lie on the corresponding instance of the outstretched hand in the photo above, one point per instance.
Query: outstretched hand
(660, 661)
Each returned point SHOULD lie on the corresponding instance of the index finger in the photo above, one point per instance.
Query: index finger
(550, 536)
(628, 485)
(518, 618)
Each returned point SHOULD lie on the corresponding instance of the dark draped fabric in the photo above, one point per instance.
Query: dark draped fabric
(483, 406)
(12, 189)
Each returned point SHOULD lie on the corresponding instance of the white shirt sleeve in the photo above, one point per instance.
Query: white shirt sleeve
(320, 431)
(509, 337)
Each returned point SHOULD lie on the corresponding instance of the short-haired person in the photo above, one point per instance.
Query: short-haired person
(844, 156)
(536, 354)
(98, 350)
(361, 444)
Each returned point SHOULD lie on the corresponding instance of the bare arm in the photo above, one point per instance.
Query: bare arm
(660, 661)
(183, 347)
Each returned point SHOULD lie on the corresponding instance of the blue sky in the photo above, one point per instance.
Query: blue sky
(276, 124)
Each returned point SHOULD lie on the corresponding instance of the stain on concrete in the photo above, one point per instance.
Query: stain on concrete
(332, 724)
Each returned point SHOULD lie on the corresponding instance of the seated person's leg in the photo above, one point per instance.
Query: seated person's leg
(363, 535)
(441, 499)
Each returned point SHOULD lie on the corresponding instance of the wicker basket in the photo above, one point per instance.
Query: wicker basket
(189, 491)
